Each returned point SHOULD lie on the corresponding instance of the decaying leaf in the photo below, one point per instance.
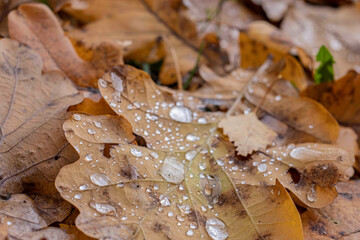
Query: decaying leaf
(340, 220)
(341, 98)
(91, 107)
(32, 145)
(310, 27)
(24, 222)
(247, 132)
(36, 26)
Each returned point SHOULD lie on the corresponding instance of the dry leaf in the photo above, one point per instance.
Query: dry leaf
(311, 26)
(24, 222)
(91, 107)
(260, 39)
(348, 140)
(274, 9)
(340, 220)
(247, 132)
(32, 146)
(341, 98)
(36, 26)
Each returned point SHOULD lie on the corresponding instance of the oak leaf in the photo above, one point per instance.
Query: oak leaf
(32, 144)
(173, 184)
(247, 132)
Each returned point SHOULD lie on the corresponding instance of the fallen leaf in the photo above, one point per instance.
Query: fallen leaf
(348, 140)
(341, 98)
(247, 132)
(175, 179)
(36, 26)
(303, 114)
(340, 220)
(91, 107)
(259, 39)
(310, 27)
(24, 222)
(32, 145)
(275, 10)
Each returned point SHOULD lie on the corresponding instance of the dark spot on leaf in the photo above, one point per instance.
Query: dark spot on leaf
(140, 140)
(106, 151)
(346, 195)
(295, 175)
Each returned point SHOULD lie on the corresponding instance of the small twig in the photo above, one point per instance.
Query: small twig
(176, 62)
(264, 97)
(258, 73)
(192, 73)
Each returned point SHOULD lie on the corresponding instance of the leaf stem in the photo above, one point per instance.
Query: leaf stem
(192, 73)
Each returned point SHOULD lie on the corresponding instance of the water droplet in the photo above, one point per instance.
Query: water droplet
(190, 137)
(76, 117)
(172, 170)
(185, 209)
(216, 229)
(189, 155)
(190, 232)
(97, 124)
(278, 98)
(181, 114)
(311, 194)
(170, 214)
(311, 126)
(307, 153)
(202, 121)
(262, 167)
(102, 83)
(78, 196)
(165, 202)
(154, 155)
(100, 179)
(88, 157)
(116, 82)
(83, 187)
(193, 225)
(103, 208)
(136, 152)
(120, 184)
(90, 131)
(202, 166)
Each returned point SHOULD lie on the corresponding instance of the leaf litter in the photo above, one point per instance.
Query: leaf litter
(241, 154)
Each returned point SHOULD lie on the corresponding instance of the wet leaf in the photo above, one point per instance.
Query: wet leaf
(340, 220)
(32, 145)
(174, 188)
(247, 132)
(36, 26)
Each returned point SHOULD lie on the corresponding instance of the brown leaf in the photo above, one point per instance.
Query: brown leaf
(340, 220)
(173, 184)
(303, 114)
(260, 39)
(348, 140)
(311, 26)
(36, 26)
(274, 9)
(88, 106)
(24, 222)
(341, 98)
(308, 170)
(32, 145)
(247, 132)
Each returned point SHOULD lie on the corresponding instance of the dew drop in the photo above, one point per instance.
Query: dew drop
(278, 98)
(189, 155)
(190, 137)
(100, 179)
(181, 114)
(216, 229)
(102, 207)
(88, 157)
(78, 196)
(90, 131)
(190, 232)
(172, 170)
(262, 167)
(311, 194)
(202, 121)
(76, 117)
(83, 187)
(165, 202)
(154, 155)
(102, 83)
(202, 166)
(170, 214)
(136, 152)
(97, 124)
